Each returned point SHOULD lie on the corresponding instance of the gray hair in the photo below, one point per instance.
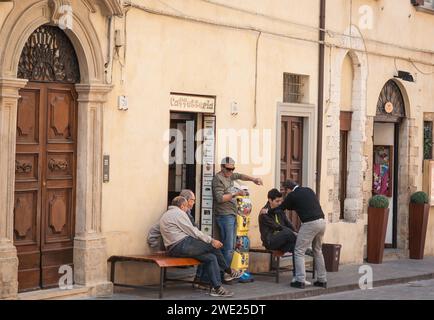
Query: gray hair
(178, 201)
(227, 160)
(187, 194)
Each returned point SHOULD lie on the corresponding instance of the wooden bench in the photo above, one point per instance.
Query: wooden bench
(161, 259)
(276, 255)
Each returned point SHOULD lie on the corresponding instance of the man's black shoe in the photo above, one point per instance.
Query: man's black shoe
(320, 284)
(309, 252)
(297, 284)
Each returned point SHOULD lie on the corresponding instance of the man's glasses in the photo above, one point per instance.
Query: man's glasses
(229, 169)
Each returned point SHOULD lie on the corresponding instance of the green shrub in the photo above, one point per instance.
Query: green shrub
(419, 197)
(379, 202)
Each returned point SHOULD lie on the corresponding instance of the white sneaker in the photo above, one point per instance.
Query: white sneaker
(221, 292)
(307, 283)
(235, 274)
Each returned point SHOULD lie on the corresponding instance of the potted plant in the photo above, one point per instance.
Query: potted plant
(378, 214)
(417, 224)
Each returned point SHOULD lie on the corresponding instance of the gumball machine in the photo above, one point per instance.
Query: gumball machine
(240, 260)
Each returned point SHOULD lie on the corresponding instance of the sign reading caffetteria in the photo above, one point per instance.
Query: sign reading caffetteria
(192, 103)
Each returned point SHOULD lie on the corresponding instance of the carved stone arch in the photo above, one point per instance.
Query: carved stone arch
(90, 261)
(357, 161)
(49, 56)
(402, 85)
(391, 104)
(24, 19)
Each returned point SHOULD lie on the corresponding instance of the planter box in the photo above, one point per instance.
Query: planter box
(417, 225)
(377, 227)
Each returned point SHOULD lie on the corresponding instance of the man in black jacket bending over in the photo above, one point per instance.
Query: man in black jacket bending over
(277, 232)
(305, 202)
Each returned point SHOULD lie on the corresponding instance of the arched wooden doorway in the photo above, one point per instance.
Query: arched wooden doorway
(46, 144)
(387, 127)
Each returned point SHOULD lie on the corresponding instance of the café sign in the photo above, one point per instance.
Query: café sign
(192, 103)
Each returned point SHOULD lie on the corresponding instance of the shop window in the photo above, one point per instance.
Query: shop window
(424, 5)
(382, 183)
(295, 88)
(427, 140)
(429, 4)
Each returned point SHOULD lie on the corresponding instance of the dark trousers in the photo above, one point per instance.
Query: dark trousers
(212, 259)
(283, 240)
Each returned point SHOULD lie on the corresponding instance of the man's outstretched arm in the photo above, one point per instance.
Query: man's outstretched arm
(245, 177)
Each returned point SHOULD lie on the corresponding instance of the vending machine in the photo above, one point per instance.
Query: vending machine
(240, 260)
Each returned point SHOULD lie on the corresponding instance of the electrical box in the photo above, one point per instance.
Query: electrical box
(123, 103)
(106, 169)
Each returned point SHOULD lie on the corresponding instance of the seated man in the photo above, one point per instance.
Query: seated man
(154, 239)
(277, 232)
(182, 239)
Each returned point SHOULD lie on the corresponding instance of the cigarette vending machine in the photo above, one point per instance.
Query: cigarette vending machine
(240, 260)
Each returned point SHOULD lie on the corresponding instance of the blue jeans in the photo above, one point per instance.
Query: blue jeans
(227, 227)
(212, 259)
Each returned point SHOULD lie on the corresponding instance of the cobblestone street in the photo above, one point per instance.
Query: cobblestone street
(417, 290)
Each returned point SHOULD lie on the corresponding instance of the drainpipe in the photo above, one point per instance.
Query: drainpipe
(322, 21)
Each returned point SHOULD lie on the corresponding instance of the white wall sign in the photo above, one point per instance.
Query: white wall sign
(192, 103)
(208, 162)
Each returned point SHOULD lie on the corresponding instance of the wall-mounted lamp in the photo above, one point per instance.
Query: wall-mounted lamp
(404, 75)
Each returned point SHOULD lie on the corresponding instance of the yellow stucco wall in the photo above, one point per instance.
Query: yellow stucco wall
(170, 55)
(173, 55)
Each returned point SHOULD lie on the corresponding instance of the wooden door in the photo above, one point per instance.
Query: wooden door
(345, 119)
(291, 155)
(44, 211)
(343, 171)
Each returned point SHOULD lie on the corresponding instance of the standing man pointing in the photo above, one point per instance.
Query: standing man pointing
(225, 206)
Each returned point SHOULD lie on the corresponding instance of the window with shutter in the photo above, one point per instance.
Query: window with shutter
(423, 5)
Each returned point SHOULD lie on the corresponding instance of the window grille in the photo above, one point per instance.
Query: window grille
(293, 88)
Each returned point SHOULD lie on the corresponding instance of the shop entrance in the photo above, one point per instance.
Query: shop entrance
(191, 152)
(385, 172)
(387, 136)
(182, 165)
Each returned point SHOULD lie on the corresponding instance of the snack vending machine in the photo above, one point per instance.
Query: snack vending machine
(240, 260)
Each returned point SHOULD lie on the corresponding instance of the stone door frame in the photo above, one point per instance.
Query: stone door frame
(409, 164)
(308, 113)
(90, 257)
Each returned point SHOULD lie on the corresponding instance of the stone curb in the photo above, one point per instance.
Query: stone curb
(313, 292)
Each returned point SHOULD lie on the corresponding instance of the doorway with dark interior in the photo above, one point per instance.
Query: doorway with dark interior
(182, 162)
